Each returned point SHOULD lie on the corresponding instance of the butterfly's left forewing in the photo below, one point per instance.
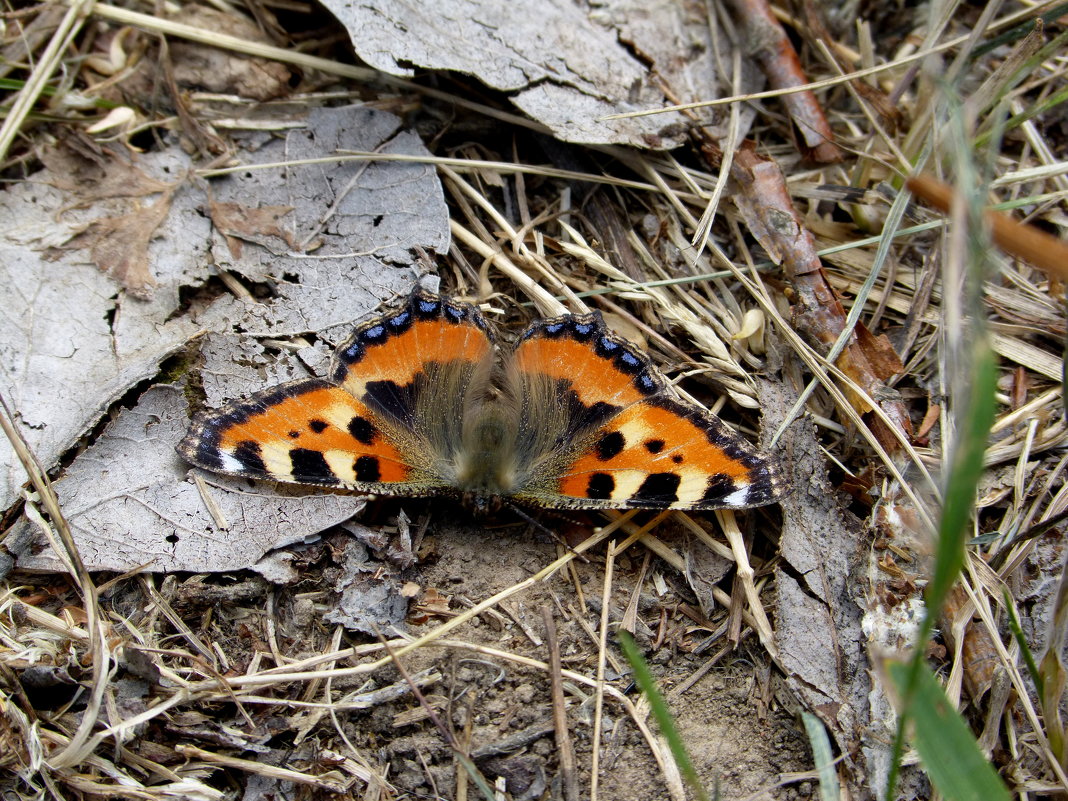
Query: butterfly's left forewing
(616, 436)
(384, 421)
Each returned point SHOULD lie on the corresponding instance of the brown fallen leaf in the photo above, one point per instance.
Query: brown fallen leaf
(81, 167)
(222, 71)
(119, 245)
(979, 657)
(240, 223)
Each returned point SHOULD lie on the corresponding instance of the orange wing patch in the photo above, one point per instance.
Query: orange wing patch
(665, 455)
(397, 349)
(594, 378)
(308, 432)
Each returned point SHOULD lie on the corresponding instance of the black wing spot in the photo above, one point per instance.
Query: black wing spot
(362, 430)
(311, 466)
(654, 445)
(677, 458)
(294, 435)
(600, 486)
(318, 426)
(657, 491)
(610, 445)
(719, 486)
(248, 453)
(581, 416)
(366, 469)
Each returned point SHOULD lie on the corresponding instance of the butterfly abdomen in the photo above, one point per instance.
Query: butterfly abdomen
(486, 461)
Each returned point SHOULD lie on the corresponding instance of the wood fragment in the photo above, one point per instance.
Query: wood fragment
(564, 746)
(1023, 240)
(772, 47)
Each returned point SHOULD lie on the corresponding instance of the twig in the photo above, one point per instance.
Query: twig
(773, 49)
(1026, 241)
(563, 736)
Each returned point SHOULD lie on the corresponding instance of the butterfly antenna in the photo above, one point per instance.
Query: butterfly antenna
(541, 527)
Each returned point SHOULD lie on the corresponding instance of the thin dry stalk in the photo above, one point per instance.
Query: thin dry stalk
(565, 749)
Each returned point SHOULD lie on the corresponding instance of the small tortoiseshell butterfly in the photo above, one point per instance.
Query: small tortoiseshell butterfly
(417, 403)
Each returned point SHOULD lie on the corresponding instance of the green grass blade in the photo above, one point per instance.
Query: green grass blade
(1021, 641)
(662, 714)
(823, 756)
(946, 745)
(967, 468)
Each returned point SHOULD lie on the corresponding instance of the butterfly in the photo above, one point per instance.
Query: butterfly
(422, 401)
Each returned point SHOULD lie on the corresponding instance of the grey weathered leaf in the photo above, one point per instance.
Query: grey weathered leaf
(131, 501)
(369, 597)
(818, 620)
(563, 64)
(336, 241)
(353, 233)
(72, 342)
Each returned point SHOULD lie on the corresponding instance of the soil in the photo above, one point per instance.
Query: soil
(734, 721)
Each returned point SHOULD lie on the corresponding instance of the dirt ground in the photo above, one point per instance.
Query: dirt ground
(740, 735)
(736, 720)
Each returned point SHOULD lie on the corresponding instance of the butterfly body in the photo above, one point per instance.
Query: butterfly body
(421, 401)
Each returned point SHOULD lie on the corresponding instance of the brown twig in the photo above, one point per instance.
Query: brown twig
(568, 771)
(772, 47)
(869, 360)
(1028, 242)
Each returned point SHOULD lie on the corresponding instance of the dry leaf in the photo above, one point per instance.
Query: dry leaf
(240, 222)
(563, 66)
(119, 245)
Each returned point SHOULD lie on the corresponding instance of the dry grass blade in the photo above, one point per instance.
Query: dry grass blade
(563, 737)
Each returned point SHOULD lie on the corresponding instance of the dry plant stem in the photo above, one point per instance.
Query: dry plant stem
(330, 784)
(658, 547)
(46, 65)
(777, 57)
(530, 287)
(975, 659)
(1023, 240)
(823, 372)
(630, 614)
(547, 304)
(563, 735)
(459, 165)
(290, 56)
(269, 676)
(459, 751)
(602, 649)
(728, 521)
(78, 748)
(1025, 13)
